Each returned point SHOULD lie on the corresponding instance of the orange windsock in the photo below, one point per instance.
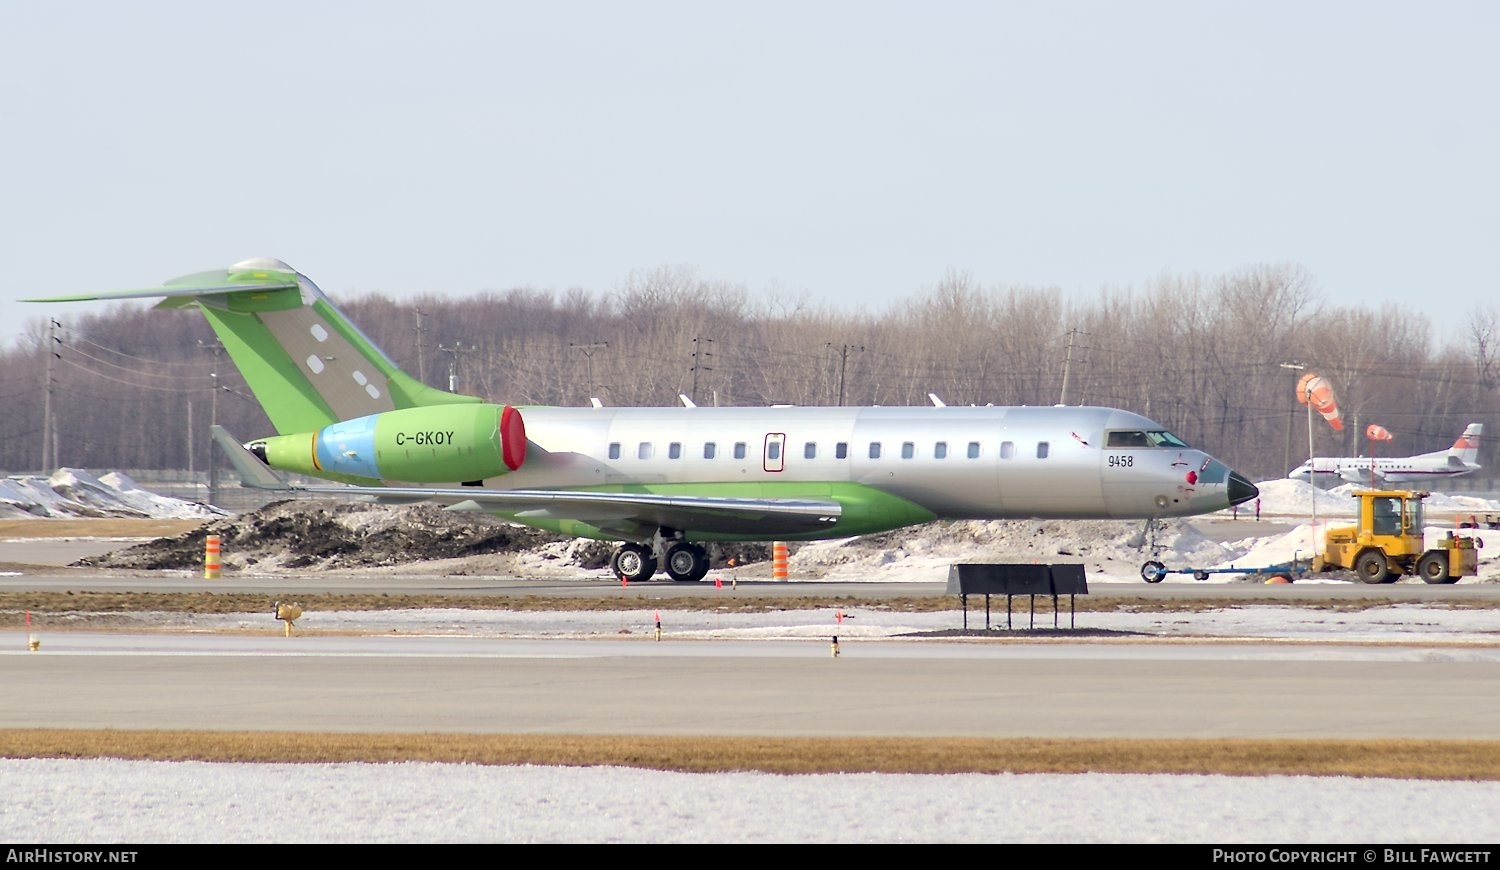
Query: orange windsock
(1377, 432)
(1315, 390)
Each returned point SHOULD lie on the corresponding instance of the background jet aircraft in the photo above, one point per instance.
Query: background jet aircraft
(665, 480)
(1425, 469)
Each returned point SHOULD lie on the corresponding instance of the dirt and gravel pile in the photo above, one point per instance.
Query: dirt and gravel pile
(299, 535)
(302, 535)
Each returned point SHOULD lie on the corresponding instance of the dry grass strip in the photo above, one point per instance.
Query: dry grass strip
(1401, 759)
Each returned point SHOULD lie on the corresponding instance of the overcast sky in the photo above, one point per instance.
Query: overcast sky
(846, 154)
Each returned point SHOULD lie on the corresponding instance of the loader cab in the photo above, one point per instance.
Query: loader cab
(1392, 515)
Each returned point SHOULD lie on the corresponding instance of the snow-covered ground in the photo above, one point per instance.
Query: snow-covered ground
(70, 493)
(94, 803)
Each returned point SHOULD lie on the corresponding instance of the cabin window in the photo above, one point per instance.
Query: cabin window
(1007, 449)
(973, 449)
(841, 450)
(709, 449)
(1042, 448)
(874, 449)
(674, 450)
(773, 450)
(810, 450)
(644, 450)
(739, 450)
(614, 450)
(908, 450)
(940, 450)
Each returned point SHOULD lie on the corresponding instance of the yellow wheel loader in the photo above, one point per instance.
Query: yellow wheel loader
(1387, 541)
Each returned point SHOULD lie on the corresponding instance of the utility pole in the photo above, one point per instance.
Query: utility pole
(1068, 366)
(455, 350)
(49, 436)
(843, 366)
(192, 437)
(421, 356)
(1286, 459)
(1312, 477)
(213, 420)
(588, 354)
(698, 354)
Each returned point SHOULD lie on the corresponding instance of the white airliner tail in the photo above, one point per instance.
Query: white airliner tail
(1423, 468)
(1466, 448)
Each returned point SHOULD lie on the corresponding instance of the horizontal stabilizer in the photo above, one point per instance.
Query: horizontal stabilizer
(201, 284)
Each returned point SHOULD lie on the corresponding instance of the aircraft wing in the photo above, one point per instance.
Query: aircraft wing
(1360, 475)
(625, 513)
(628, 514)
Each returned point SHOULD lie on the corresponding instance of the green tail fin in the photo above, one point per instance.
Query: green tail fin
(307, 364)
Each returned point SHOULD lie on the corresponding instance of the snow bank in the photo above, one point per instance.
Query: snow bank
(70, 492)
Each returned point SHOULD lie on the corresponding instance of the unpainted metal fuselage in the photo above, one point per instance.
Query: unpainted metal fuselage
(955, 462)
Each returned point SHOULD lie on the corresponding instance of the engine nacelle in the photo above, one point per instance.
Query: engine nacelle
(434, 444)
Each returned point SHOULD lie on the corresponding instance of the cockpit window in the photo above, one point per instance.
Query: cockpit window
(1143, 438)
(1126, 438)
(1163, 438)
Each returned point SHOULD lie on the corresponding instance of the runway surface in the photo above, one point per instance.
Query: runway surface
(1111, 688)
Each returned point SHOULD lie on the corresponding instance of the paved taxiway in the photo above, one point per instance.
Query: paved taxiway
(777, 688)
(1058, 686)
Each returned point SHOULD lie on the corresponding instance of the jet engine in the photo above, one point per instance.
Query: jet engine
(433, 444)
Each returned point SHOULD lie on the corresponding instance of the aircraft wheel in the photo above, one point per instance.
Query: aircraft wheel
(687, 563)
(633, 562)
(1153, 572)
(1371, 567)
(1433, 568)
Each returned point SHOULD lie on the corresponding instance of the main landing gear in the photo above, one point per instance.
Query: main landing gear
(683, 562)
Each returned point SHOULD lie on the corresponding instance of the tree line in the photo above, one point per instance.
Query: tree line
(1215, 359)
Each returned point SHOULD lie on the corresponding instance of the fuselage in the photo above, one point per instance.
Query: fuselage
(1358, 469)
(955, 462)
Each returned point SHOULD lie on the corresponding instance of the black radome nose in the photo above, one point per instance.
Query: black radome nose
(1241, 489)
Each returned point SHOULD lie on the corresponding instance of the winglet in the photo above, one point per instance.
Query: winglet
(253, 473)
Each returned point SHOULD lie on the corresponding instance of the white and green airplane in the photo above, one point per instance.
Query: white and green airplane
(663, 481)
